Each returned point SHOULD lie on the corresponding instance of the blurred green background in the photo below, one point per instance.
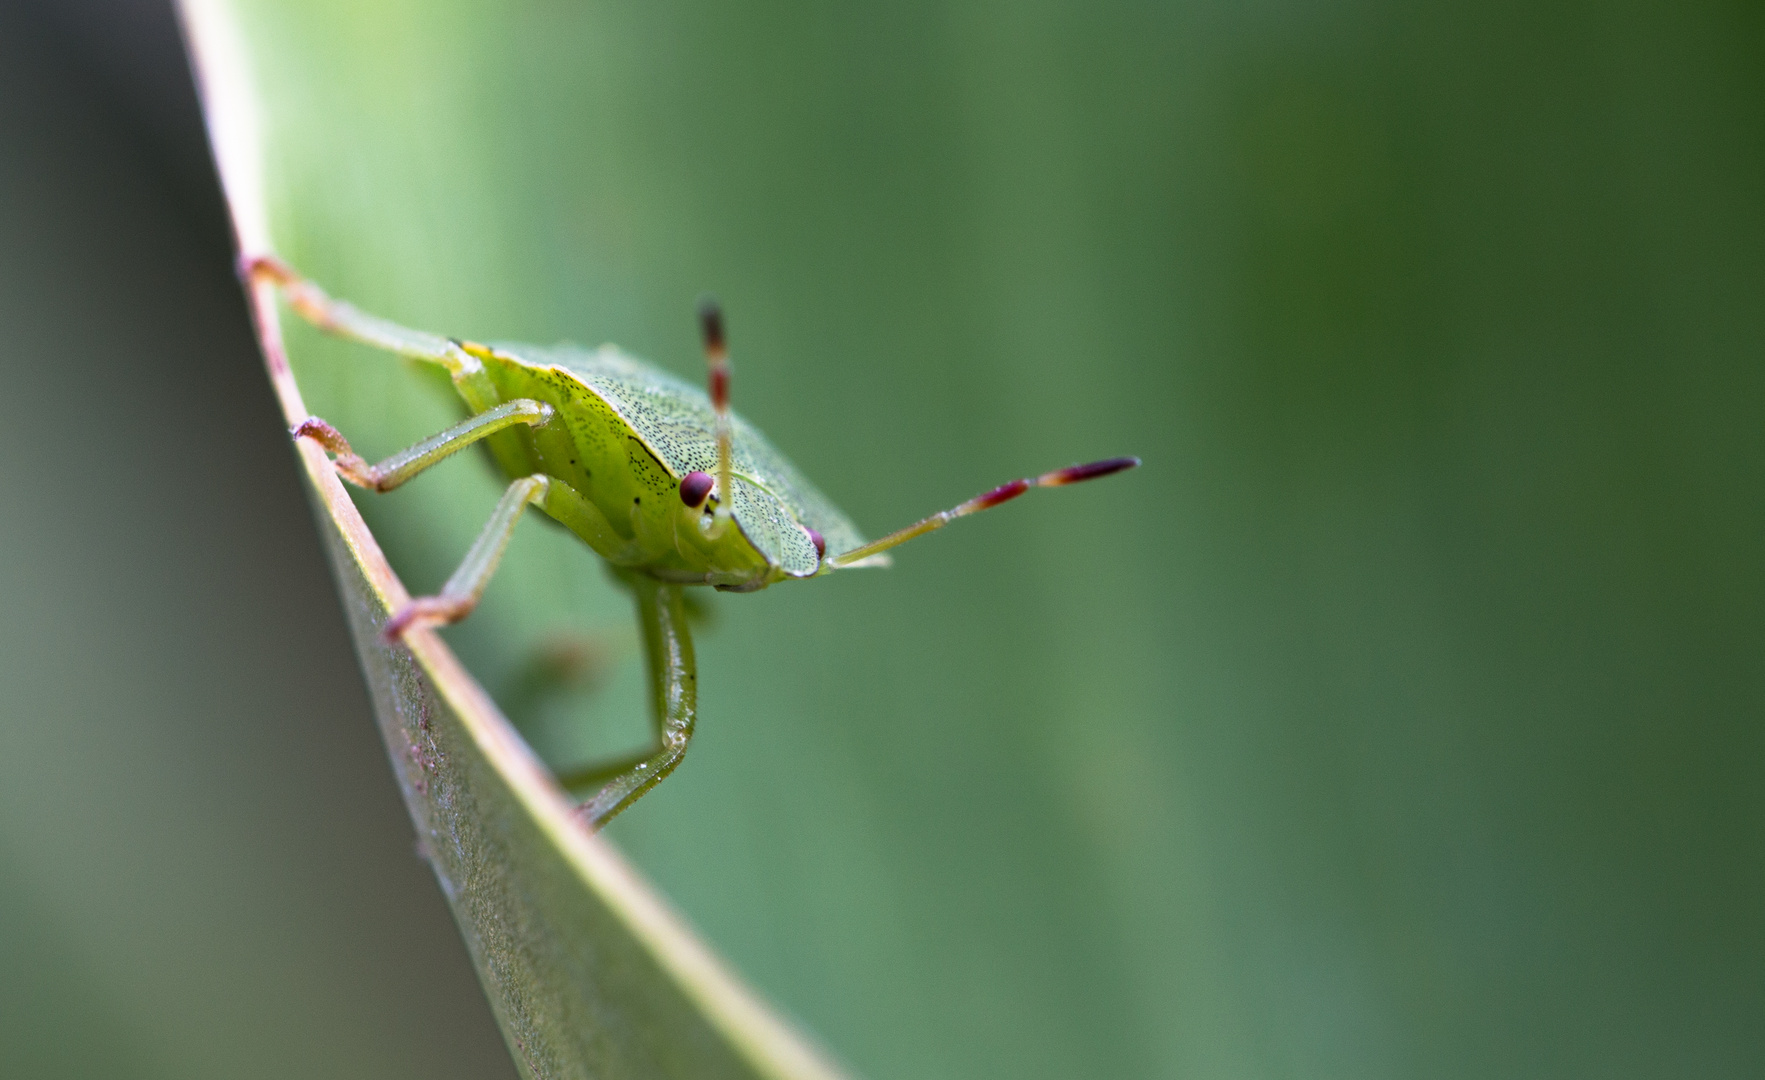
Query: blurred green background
(1401, 717)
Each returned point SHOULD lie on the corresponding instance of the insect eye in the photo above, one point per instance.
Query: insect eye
(695, 488)
(820, 544)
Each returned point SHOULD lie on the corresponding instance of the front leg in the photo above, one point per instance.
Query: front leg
(674, 686)
(412, 460)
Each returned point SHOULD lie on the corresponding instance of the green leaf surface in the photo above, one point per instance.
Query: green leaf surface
(587, 970)
(588, 973)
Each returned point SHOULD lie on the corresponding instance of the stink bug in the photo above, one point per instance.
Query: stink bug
(663, 481)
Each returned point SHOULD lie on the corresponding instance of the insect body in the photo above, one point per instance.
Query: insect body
(659, 478)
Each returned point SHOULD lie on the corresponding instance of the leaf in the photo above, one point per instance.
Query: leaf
(1367, 730)
(587, 969)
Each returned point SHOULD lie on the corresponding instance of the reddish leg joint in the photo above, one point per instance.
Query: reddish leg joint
(255, 268)
(350, 465)
(306, 298)
(425, 611)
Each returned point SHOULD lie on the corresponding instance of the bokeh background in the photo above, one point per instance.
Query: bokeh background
(1401, 717)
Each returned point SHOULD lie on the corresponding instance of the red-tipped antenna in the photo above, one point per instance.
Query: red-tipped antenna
(1072, 474)
(717, 365)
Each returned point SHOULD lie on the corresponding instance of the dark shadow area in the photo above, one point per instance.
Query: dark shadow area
(205, 870)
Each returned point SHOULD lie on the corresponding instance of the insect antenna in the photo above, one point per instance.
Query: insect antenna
(1072, 474)
(717, 374)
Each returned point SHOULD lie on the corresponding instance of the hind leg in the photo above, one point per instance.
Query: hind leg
(668, 650)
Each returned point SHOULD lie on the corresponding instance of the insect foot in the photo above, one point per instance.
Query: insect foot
(426, 611)
(350, 465)
(308, 299)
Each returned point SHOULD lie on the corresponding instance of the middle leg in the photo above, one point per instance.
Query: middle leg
(462, 591)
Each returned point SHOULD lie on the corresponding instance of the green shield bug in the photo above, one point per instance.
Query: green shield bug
(660, 479)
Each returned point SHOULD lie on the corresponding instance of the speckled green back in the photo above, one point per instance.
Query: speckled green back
(772, 500)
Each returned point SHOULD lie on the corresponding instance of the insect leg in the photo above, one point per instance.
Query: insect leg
(346, 320)
(984, 501)
(717, 376)
(412, 460)
(597, 774)
(668, 649)
(461, 592)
